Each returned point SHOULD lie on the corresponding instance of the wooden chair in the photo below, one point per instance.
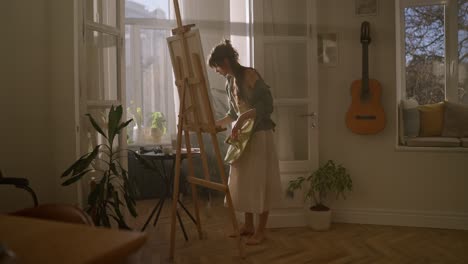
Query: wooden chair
(21, 183)
(55, 212)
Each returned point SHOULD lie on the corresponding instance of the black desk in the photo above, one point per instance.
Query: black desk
(168, 180)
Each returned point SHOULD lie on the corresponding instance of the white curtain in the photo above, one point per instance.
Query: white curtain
(149, 77)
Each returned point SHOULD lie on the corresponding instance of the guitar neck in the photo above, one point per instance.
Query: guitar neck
(365, 68)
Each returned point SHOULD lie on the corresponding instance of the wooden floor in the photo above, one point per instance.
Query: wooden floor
(344, 243)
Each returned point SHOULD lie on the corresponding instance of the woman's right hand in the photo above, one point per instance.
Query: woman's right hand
(224, 122)
(219, 123)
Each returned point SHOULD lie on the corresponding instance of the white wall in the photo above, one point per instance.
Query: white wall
(63, 95)
(390, 187)
(37, 99)
(25, 145)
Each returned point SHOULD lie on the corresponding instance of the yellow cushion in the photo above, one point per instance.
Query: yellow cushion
(431, 118)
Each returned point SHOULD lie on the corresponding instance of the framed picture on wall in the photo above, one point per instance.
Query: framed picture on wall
(327, 48)
(366, 7)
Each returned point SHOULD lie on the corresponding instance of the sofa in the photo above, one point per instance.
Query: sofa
(443, 124)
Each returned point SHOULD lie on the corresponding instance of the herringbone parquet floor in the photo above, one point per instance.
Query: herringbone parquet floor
(344, 243)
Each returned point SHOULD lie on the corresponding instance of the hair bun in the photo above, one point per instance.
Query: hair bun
(224, 50)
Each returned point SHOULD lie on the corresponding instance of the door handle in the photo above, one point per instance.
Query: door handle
(314, 118)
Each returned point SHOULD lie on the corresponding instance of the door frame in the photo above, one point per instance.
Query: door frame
(84, 25)
(291, 212)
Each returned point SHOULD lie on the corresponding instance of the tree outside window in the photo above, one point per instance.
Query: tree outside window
(425, 52)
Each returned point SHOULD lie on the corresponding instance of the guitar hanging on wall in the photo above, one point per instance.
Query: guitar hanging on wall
(366, 114)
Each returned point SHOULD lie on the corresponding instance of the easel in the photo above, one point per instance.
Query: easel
(195, 115)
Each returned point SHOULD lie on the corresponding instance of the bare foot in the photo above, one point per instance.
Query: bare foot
(244, 231)
(256, 239)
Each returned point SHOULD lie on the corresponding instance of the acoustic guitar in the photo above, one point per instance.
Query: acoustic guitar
(366, 114)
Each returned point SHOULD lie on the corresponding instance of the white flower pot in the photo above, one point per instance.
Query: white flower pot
(156, 134)
(138, 135)
(318, 220)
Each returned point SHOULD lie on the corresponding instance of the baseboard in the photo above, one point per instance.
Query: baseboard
(448, 220)
(433, 219)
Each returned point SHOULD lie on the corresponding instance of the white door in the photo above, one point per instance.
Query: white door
(100, 68)
(284, 42)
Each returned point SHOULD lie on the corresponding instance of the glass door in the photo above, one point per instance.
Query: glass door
(101, 78)
(284, 42)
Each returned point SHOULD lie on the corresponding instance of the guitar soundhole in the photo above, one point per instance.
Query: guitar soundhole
(366, 117)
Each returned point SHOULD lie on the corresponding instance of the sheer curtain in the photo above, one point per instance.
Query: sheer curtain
(149, 81)
(151, 98)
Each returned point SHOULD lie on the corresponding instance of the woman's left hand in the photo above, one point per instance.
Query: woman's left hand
(235, 132)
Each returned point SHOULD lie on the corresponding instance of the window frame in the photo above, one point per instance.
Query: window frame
(451, 42)
(139, 24)
(451, 64)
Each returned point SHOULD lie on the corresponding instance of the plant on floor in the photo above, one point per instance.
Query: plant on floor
(115, 188)
(328, 178)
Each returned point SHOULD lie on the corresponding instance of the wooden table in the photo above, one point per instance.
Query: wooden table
(42, 241)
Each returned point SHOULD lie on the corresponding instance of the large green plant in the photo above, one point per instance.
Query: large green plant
(328, 178)
(105, 199)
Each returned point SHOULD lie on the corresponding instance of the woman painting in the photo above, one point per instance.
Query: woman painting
(254, 179)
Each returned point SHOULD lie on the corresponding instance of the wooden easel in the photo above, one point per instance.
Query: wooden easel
(190, 120)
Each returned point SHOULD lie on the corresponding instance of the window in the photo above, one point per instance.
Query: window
(432, 67)
(433, 50)
(151, 96)
(149, 81)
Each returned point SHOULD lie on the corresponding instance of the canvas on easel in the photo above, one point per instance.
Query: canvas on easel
(199, 92)
(196, 116)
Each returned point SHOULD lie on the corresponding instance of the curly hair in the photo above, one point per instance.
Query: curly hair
(223, 50)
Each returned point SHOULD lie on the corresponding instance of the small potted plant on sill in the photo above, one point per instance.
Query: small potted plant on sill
(328, 178)
(158, 126)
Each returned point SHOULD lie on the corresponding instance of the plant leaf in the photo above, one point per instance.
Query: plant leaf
(122, 125)
(131, 205)
(115, 114)
(117, 204)
(82, 163)
(96, 126)
(113, 169)
(74, 165)
(87, 161)
(75, 178)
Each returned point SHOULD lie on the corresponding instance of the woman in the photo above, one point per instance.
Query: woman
(254, 178)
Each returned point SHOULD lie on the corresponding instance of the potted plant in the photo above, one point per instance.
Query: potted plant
(158, 125)
(328, 178)
(114, 188)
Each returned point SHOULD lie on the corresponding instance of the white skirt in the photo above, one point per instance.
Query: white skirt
(254, 179)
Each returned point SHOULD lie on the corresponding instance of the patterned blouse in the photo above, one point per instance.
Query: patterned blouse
(259, 98)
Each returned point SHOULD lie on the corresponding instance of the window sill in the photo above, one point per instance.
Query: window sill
(401, 148)
(136, 146)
